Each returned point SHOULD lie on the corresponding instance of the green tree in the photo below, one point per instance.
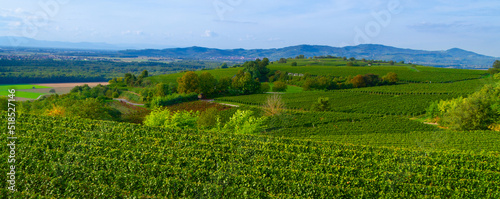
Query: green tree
(208, 84)
(223, 85)
(279, 86)
(244, 82)
(391, 62)
(258, 68)
(479, 111)
(188, 83)
(495, 68)
(224, 65)
(294, 63)
(162, 90)
(264, 88)
(144, 74)
(390, 78)
(282, 61)
(310, 84)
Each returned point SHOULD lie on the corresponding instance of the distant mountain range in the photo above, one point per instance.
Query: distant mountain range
(11, 41)
(456, 58)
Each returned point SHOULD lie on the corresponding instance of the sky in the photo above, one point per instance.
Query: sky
(472, 25)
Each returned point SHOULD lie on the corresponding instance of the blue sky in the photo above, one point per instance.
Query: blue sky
(418, 24)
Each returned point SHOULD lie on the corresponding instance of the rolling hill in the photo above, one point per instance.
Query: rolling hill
(456, 58)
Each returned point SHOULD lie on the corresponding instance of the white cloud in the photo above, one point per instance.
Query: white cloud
(209, 33)
(133, 32)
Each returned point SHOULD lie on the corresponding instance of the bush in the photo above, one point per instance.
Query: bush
(208, 118)
(497, 76)
(274, 105)
(279, 86)
(173, 99)
(321, 105)
(479, 111)
(294, 63)
(264, 88)
(242, 122)
(175, 120)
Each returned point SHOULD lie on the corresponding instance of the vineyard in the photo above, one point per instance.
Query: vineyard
(400, 103)
(61, 157)
(459, 87)
(406, 73)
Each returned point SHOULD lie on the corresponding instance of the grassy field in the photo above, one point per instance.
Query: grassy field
(31, 95)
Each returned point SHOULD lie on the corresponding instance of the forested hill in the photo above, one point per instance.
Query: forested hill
(456, 58)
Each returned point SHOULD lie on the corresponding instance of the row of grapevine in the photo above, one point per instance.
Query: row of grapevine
(405, 73)
(359, 102)
(61, 157)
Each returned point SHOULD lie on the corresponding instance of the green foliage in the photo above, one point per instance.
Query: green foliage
(3, 103)
(223, 85)
(242, 122)
(265, 87)
(497, 76)
(279, 86)
(244, 84)
(208, 118)
(207, 84)
(188, 83)
(161, 90)
(144, 74)
(321, 105)
(476, 112)
(294, 63)
(282, 61)
(258, 68)
(495, 68)
(173, 120)
(173, 99)
(390, 78)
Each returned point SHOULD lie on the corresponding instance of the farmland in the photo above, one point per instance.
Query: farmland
(33, 91)
(31, 95)
(371, 141)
